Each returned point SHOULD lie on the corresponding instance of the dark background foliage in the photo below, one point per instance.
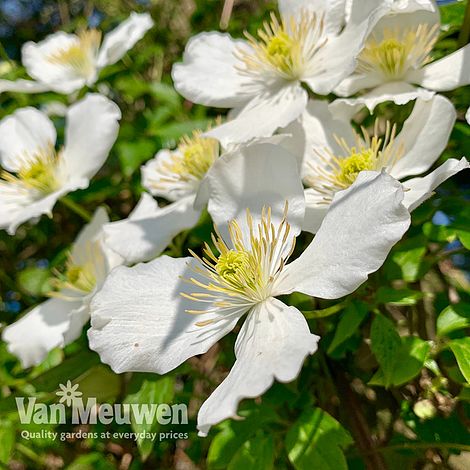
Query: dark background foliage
(388, 387)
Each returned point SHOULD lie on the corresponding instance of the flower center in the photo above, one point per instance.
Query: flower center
(283, 49)
(80, 55)
(244, 273)
(350, 167)
(187, 164)
(398, 51)
(81, 273)
(332, 173)
(39, 172)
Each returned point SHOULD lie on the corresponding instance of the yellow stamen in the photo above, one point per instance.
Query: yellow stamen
(80, 276)
(245, 273)
(285, 49)
(81, 55)
(334, 173)
(398, 51)
(39, 172)
(188, 164)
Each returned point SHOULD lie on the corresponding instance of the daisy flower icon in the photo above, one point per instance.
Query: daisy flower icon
(68, 393)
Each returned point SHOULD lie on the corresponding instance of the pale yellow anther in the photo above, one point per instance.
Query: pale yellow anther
(81, 55)
(331, 173)
(39, 172)
(283, 48)
(398, 51)
(244, 273)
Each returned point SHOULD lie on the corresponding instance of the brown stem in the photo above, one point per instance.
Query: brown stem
(358, 424)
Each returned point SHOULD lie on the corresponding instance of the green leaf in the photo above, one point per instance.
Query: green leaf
(410, 258)
(453, 317)
(399, 297)
(69, 369)
(158, 391)
(438, 233)
(464, 237)
(385, 344)
(409, 361)
(256, 453)
(34, 281)
(352, 316)
(461, 349)
(132, 154)
(234, 434)
(317, 440)
(175, 130)
(7, 440)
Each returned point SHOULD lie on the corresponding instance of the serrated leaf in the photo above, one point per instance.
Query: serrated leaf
(385, 344)
(461, 349)
(157, 392)
(452, 318)
(352, 316)
(317, 440)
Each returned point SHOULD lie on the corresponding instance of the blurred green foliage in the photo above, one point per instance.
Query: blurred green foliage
(390, 384)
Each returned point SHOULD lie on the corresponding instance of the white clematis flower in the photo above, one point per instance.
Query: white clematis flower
(65, 62)
(35, 175)
(59, 320)
(334, 154)
(262, 77)
(175, 175)
(396, 62)
(154, 316)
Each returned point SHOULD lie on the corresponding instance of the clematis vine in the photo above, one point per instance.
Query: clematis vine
(333, 154)
(36, 174)
(154, 316)
(60, 320)
(176, 175)
(65, 62)
(397, 63)
(261, 77)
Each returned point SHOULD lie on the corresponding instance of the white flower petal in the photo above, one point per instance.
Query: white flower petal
(272, 345)
(333, 10)
(150, 229)
(91, 129)
(24, 134)
(139, 321)
(153, 179)
(424, 136)
(23, 86)
(315, 131)
(251, 177)
(398, 92)
(337, 58)
(123, 38)
(445, 74)
(208, 73)
(89, 234)
(362, 225)
(467, 115)
(263, 115)
(39, 331)
(17, 206)
(315, 211)
(417, 190)
(355, 82)
(77, 318)
(36, 59)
